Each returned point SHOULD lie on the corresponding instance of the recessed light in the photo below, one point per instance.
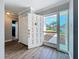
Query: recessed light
(8, 13)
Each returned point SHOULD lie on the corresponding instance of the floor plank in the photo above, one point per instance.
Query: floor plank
(15, 50)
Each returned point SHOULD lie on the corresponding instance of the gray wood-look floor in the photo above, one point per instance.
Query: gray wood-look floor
(15, 50)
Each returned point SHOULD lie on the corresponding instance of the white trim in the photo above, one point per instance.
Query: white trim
(50, 44)
(8, 40)
(54, 7)
(26, 11)
(69, 55)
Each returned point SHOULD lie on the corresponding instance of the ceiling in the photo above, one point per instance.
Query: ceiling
(17, 6)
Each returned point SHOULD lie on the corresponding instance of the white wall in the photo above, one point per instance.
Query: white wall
(71, 29)
(8, 27)
(17, 23)
(23, 28)
(2, 36)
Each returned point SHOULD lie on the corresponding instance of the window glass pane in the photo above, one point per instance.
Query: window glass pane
(63, 42)
(51, 23)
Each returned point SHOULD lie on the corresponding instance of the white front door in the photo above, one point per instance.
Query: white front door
(35, 30)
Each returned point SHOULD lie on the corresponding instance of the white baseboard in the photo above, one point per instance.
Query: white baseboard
(70, 56)
(50, 44)
(8, 40)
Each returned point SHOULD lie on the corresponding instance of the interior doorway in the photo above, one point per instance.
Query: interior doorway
(14, 30)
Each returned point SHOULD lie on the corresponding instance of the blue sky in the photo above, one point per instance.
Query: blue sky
(49, 20)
